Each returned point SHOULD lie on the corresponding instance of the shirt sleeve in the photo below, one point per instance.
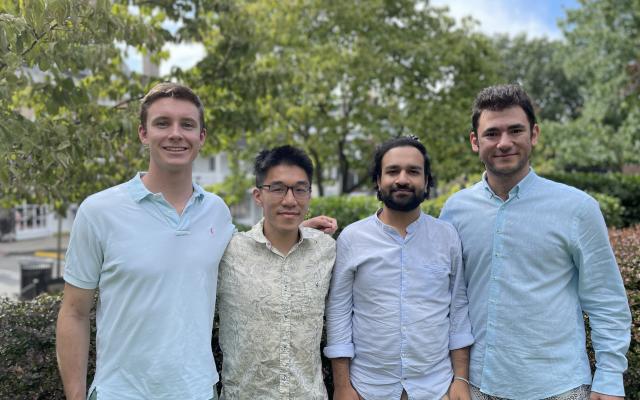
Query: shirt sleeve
(339, 309)
(460, 326)
(603, 298)
(84, 258)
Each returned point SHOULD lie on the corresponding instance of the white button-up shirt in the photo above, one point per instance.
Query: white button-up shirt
(271, 309)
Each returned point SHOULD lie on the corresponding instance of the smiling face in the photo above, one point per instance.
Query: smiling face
(504, 141)
(283, 214)
(173, 134)
(402, 183)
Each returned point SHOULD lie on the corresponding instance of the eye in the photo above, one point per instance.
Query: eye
(161, 123)
(301, 189)
(277, 188)
(188, 125)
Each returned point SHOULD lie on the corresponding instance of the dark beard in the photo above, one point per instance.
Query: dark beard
(408, 204)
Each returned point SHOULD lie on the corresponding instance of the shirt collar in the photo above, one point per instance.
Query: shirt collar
(518, 190)
(139, 191)
(410, 228)
(257, 233)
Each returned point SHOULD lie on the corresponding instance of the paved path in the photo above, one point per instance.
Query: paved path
(12, 253)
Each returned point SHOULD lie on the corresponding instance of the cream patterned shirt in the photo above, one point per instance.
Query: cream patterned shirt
(271, 309)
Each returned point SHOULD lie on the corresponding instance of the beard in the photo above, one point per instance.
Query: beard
(404, 204)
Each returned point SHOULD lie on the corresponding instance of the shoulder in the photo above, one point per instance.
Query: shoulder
(317, 237)
(356, 228)
(440, 228)
(562, 192)
(99, 201)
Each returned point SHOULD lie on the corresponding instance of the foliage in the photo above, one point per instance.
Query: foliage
(337, 79)
(626, 245)
(611, 208)
(28, 367)
(65, 97)
(603, 35)
(622, 186)
(537, 65)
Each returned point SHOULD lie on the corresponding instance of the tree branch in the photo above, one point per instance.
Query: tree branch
(51, 28)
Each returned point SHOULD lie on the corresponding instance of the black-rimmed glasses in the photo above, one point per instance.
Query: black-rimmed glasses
(300, 191)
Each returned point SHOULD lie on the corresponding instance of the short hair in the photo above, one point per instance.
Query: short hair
(500, 97)
(173, 90)
(282, 155)
(402, 141)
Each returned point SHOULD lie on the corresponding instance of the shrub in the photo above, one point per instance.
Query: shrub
(626, 245)
(28, 367)
(611, 208)
(624, 187)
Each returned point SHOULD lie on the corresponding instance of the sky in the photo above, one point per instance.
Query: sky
(536, 18)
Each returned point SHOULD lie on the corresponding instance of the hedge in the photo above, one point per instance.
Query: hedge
(622, 186)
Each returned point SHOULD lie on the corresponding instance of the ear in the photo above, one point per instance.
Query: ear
(473, 138)
(203, 136)
(535, 133)
(142, 134)
(257, 196)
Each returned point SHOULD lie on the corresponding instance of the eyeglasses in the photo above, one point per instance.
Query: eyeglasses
(300, 191)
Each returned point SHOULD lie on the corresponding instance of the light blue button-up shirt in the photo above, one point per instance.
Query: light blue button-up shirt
(533, 264)
(397, 306)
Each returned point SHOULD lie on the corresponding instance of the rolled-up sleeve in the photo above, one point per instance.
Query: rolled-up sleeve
(460, 326)
(602, 297)
(339, 309)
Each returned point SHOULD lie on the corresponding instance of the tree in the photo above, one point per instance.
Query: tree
(602, 52)
(337, 78)
(61, 75)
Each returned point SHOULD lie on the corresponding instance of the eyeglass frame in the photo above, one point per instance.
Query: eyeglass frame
(306, 195)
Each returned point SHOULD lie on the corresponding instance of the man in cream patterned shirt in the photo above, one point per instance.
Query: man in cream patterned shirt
(272, 286)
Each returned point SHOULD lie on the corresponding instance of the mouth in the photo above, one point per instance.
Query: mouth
(289, 214)
(174, 149)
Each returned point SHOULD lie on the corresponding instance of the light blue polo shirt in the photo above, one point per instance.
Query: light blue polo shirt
(156, 272)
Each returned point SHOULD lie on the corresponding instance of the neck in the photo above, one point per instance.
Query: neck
(281, 240)
(399, 219)
(175, 187)
(502, 184)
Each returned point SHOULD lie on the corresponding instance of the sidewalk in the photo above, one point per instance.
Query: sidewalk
(12, 253)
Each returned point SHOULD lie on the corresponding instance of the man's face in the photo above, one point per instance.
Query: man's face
(402, 181)
(173, 134)
(504, 142)
(283, 212)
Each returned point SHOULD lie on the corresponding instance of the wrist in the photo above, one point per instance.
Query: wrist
(461, 379)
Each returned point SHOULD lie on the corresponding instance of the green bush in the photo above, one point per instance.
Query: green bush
(28, 367)
(611, 208)
(624, 187)
(626, 246)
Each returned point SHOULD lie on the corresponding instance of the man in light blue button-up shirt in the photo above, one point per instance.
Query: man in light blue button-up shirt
(397, 315)
(536, 255)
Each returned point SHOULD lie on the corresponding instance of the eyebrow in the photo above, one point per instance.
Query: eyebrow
(495, 128)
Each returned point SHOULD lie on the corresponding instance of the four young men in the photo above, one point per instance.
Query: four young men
(534, 255)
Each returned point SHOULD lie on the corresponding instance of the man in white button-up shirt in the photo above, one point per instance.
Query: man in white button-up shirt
(397, 318)
(271, 289)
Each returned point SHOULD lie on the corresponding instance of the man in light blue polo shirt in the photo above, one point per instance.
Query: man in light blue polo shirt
(537, 255)
(152, 247)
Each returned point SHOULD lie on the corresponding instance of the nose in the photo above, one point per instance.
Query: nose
(402, 177)
(175, 132)
(505, 141)
(289, 198)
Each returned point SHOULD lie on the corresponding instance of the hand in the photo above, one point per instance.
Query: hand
(345, 393)
(322, 223)
(600, 396)
(459, 390)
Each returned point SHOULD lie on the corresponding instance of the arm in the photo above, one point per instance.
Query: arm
(460, 337)
(322, 223)
(603, 298)
(459, 389)
(72, 340)
(342, 389)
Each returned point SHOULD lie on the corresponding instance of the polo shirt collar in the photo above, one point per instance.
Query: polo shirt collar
(139, 191)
